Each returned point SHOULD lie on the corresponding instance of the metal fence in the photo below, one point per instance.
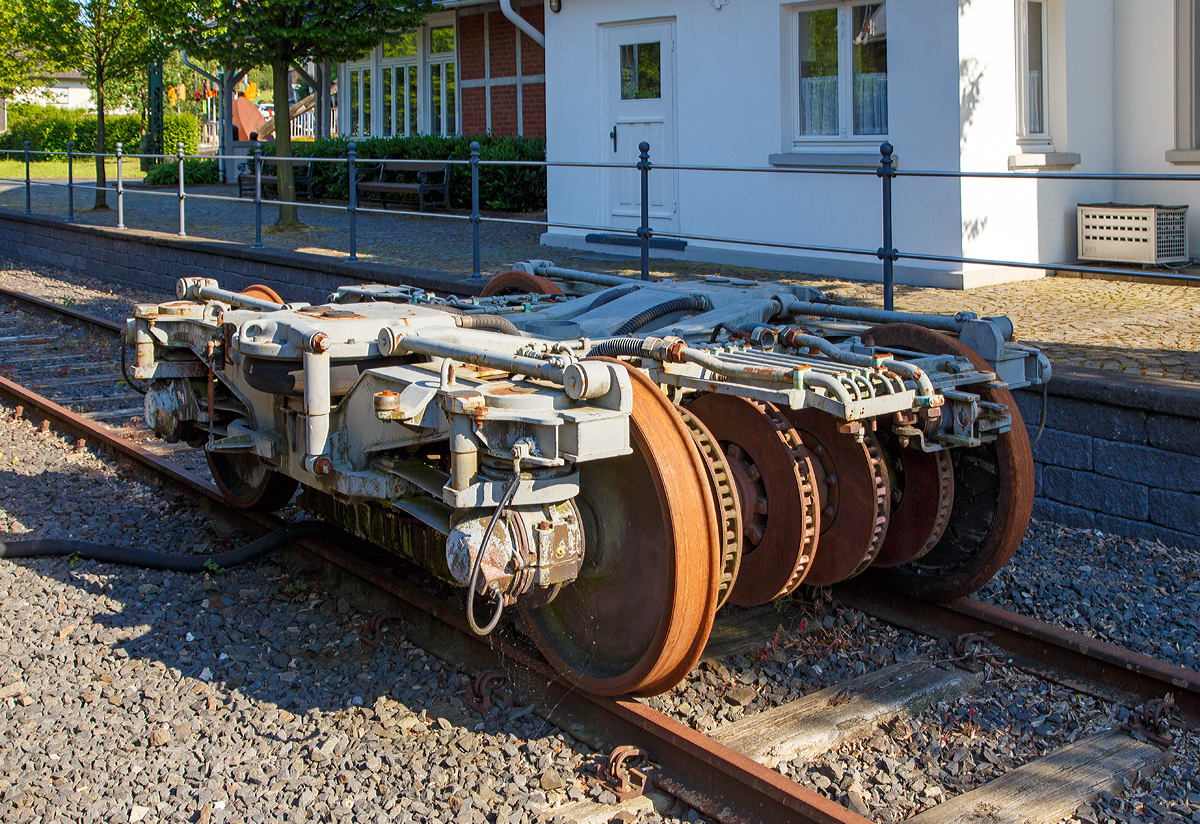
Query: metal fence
(886, 172)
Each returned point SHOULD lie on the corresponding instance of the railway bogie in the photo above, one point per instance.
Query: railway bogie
(612, 458)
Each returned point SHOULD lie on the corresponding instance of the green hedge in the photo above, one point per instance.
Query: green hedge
(501, 188)
(49, 129)
(125, 129)
(194, 172)
(181, 127)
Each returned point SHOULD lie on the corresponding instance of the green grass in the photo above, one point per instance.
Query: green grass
(85, 169)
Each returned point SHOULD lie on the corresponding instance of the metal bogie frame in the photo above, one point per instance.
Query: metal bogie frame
(483, 418)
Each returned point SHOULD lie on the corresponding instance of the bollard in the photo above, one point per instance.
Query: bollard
(257, 192)
(28, 206)
(120, 191)
(644, 230)
(352, 178)
(475, 209)
(182, 225)
(70, 180)
(887, 252)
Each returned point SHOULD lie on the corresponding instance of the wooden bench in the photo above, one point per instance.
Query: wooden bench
(394, 177)
(301, 176)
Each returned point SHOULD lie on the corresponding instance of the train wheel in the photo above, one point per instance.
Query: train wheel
(724, 490)
(780, 518)
(258, 290)
(248, 483)
(852, 483)
(993, 495)
(638, 616)
(516, 282)
(922, 498)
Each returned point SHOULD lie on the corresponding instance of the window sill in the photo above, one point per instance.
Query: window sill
(832, 160)
(1183, 157)
(1043, 160)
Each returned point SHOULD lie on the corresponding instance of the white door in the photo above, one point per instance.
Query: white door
(639, 85)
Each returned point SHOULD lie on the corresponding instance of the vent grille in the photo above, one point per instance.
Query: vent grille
(1133, 234)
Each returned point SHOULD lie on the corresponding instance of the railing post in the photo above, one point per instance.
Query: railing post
(120, 190)
(475, 209)
(182, 225)
(28, 203)
(644, 230)
(352, 181)
(70, 180)
(257, 193)
(887, 252)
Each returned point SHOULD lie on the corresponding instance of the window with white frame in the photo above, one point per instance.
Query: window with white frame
(1187, 74)
(841, 67)
(399, 69)
(358, 99)
(1031, 70)
(442, 100)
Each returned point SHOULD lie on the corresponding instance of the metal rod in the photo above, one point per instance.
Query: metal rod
(475, 209)
(887, 252)
(70, 181)
(120, 190)
(352, 179)
(861, 313)
(258, 161)
(644, 230)
(182, 224)
(28, 202)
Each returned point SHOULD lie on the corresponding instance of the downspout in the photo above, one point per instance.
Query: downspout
(521, 23)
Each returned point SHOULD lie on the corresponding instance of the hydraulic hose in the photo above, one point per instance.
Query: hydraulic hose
(149, 559)
(694, 302)
(609, 295)
(617, 348)
(494, 322)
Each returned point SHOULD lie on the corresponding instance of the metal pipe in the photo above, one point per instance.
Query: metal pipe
(914, 373)
(521, 23)
(475, 210)
(887, 252)
(547, 269)
(258, 164)
(352, 179)
(644, 230)
(192, 289)
(799, 378)
(402, 341)
(182, 225)
(70, 180)
(120, 190)
(28, 205)
(316, 408)
(834, 310)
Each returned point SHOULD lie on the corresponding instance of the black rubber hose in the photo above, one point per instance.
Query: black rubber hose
(443, 307)
(609, 295)
(662, 310)
(149, 559)
(494, 322)
(617, 348)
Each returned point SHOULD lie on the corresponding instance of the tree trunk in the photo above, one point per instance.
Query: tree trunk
(283, 144)
(101, 183)
(319, 91)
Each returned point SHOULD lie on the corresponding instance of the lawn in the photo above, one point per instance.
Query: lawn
(85, 169)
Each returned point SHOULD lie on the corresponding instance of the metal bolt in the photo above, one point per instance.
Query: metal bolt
(320, 343)
(322, 466)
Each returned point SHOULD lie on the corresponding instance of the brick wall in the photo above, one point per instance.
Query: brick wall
(493, 71)
(1119, 454)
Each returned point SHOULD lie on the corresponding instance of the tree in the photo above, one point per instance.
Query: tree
(106, 40)
(21, 69)
(280, 33)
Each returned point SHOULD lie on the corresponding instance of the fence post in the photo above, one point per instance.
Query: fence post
(70, 180)
(257, 193)
(475, 209)
(887, 252)
(351, 179)
(120, 191)
(28, 206)
(644, 230)
(182, 225)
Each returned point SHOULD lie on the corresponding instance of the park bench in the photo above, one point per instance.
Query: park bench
(406, 177)
(301, 175)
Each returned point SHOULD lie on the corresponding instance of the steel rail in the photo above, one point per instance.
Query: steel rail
(42, 303)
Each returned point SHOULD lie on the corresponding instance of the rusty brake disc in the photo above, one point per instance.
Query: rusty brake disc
(922, 498)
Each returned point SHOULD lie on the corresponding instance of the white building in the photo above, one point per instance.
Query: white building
(1096, 86)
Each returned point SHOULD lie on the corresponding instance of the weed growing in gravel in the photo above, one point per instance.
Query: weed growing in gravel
(213, 567)
(68, 302)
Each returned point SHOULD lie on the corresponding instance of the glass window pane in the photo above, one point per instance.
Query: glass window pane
(441, 39)
(412, 100)
(450, 124)
(435, 99)
(1034, 78)
(400, 45)
(641, 71)
(366, 102)
(870, 69)
(387, 102)
(819, 72)
(354, 80)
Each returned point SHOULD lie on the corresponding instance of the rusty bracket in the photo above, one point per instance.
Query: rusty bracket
(477, 696)
(1152, 721)
(624, 774)
(370, 631)
(971, 652)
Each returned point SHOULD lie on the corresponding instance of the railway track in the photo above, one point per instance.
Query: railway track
(732, 773)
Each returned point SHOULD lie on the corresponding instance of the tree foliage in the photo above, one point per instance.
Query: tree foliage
(21, 69)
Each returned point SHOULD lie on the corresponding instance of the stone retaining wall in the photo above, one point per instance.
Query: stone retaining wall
(1120, 454)
(157, 260)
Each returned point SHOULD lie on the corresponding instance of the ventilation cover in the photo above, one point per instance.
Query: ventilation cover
(1133, 234)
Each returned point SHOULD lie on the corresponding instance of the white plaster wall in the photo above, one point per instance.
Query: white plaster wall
(730, 66)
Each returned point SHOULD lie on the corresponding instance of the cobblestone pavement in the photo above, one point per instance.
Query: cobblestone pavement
(1125, 327)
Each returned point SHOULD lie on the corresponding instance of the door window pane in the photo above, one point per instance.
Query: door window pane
(400, 45)
(366, 102)
(387, 102)
(435, 99)
(641, 71)
(441, 39)
(450, 129)
(870, 69)
(354, 81)
(412, 100)
(819, 72)
(1034, 80)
